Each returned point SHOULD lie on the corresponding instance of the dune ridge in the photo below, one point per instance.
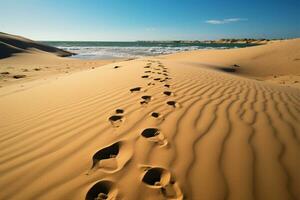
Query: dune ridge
(214, 135)
(276, 62)
(12, 44)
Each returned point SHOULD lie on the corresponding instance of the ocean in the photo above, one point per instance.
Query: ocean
(112, 50)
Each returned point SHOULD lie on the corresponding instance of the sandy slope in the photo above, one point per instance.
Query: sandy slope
(189, 131)
(12, 44)
(37, 65)
(23, 60)
(277, 62)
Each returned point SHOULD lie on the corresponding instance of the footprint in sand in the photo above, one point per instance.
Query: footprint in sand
(161, 179)
(155, 114)
(119, 111)
(145, 76)
(154, 135)
(172, 103)
(116, 120)
(110, 152)
(146, 99)
(147, 71)
(151, 83)
(168, 93)
(156, 79)
(102, 190)
(136, 89)
(147, 66)
(112, 158)
(167, 85)
(116, 67)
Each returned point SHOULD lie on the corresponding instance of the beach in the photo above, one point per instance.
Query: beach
(200, 124)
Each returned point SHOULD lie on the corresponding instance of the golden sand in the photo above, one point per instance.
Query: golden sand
(191, 125)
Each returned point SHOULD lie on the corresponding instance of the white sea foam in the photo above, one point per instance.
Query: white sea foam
(91, 52)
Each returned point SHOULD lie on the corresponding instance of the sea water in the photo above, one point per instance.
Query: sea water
(111, 50)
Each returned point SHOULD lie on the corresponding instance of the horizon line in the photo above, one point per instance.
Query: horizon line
(166, 40)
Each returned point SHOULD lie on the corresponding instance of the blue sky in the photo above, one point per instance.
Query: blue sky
(127, 20)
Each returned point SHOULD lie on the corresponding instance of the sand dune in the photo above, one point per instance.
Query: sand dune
(11, 44)
(23, 60)
(153, 128)
(277, 62)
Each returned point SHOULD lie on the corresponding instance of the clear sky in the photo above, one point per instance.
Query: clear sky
(127, 20)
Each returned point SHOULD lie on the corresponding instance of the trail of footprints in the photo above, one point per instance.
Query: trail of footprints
(108, 158)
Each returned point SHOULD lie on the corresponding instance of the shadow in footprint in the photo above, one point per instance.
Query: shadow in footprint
(151, 84)
(136, 89)
(146, 99)
(116, 67)
(150, 132)
(106, 153)
(111, 158)
(119, 111)
(156, 79)
(172, 103)
(116, 120)
(161, 179)
(156, 177)
(145, 76)
(154, 135)
(103, 189)
(168, 93)
(167, 85)
(155, 114)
